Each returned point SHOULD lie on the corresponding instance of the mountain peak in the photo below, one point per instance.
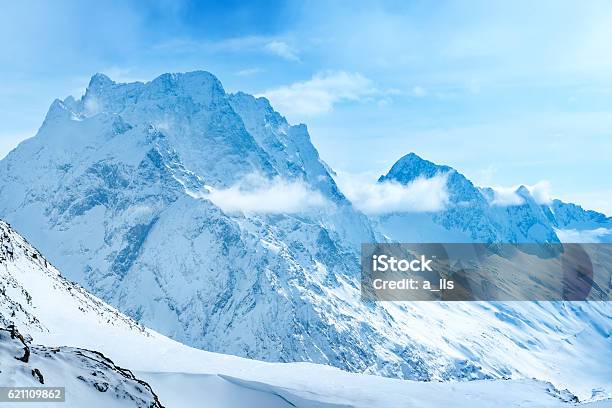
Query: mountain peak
(57, 111)
(196, 84)
(99, 80)
(412, 166)
(525, 194)
(523, 191)
(189, 82)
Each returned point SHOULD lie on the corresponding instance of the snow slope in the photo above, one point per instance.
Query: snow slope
(186, 377)
(89, 378)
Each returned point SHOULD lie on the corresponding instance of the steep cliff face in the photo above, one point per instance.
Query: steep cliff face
(118, 195)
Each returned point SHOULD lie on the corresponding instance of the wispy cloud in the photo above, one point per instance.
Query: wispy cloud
(540, 192)
(584, 236)
(242, 45)
(320, 93)
(422, 195)
(256, 194)
(282, 49)
(508, 196)
(249, 71)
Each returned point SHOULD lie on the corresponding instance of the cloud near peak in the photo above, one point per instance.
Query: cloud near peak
(508, 196)
(373, 198)
(256, 194)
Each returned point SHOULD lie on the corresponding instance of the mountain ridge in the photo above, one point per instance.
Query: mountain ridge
(115, 187)
(474, 213)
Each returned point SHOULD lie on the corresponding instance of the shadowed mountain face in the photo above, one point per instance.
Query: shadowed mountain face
(116, 190)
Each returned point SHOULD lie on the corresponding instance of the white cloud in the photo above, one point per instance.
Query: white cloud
(583, 236)
(256, 194)
(422, 195)
(246, 44)
(507, 196)
(540, 192)
(320, 93)
(92, 106)
(282, 49)
(249, 72)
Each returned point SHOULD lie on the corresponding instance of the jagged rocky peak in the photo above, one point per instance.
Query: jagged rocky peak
(186, 117)
(523, 192)
(200, 85)
(288, 146)
(192, 82)
(99, 81)
(527, 199)
(472, 210)
(411, 166)
(194, 90)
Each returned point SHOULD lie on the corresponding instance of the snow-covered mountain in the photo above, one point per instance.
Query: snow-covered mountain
(574, 224)
(114, 189)
(473, 214)
(568, 215)
(469, 215)
(118, 189)
(37, 299)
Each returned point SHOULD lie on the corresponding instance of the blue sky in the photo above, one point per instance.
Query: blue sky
(507, 92)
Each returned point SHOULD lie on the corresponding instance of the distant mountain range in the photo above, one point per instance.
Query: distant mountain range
(472, 214)
(117, 190)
